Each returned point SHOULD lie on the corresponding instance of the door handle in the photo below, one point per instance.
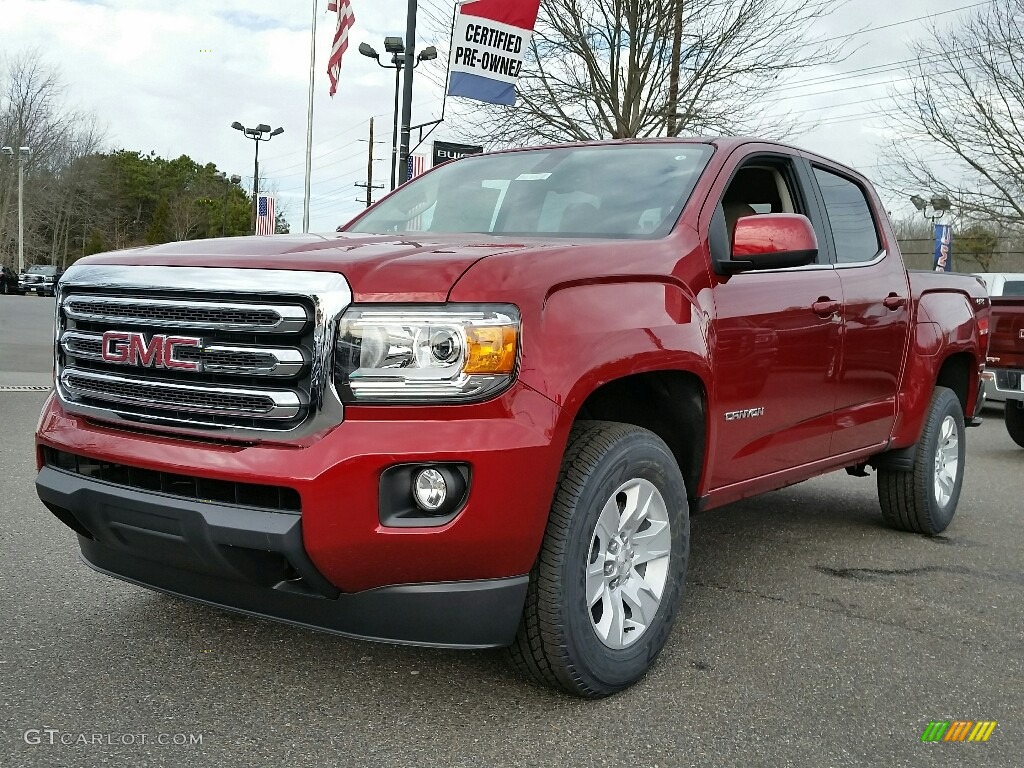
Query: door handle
(825, 307)
(894, 301)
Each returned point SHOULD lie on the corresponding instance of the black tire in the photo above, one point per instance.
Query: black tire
(1014, 417)
(3, 289)
(557, 643)
(910, 499)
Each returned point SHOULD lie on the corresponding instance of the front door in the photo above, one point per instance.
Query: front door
(776, 342)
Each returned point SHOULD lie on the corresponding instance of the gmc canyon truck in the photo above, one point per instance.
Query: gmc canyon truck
(481, 415)
(1005, 370)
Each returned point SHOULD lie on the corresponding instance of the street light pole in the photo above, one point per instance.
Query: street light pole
(396, 48)
(256, 189)
(257, 134)
(410, 65)
(394, 135)
(23, 154)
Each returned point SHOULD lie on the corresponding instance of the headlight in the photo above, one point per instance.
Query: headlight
(450, 354)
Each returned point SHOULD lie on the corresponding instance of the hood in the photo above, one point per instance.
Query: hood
(378, 268)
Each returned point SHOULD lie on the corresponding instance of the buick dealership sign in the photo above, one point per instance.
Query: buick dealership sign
(445, 151)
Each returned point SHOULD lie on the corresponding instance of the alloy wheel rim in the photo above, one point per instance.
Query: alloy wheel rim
(947, 461)
(627, 563)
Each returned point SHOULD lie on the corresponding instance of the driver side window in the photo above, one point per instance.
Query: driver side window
(761, 186)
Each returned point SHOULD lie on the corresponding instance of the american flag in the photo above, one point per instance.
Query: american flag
(417, 165)
(266, 221)
(346, 19)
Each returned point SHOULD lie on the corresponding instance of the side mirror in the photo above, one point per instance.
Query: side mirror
(772, 241)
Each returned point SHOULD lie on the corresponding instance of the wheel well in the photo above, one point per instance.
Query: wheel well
(955, 374)
(671, 404)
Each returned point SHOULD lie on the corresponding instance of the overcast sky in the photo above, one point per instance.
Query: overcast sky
(172, 76)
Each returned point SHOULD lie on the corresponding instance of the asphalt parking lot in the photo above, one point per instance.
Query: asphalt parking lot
(810, 636)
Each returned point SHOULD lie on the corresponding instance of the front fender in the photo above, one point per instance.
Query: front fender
(591, 333)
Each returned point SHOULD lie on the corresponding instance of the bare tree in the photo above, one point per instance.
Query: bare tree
(33, 113)
(960, 120)
(609, 69)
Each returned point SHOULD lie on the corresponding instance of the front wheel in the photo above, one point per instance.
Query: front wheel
(606, 587)
(924, 499)
(1014, 416)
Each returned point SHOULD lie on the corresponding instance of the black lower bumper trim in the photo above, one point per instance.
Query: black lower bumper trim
(253, 562)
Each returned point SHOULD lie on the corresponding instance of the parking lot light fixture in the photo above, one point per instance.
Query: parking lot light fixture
(260, 133)
(396, 47)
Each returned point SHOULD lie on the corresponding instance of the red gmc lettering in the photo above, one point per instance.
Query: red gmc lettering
(115, 346)
(172, 343)
(125, 348)
(140, 353)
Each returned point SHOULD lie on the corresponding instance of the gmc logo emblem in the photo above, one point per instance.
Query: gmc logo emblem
(125, 348)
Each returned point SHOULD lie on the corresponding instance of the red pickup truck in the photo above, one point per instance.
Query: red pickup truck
(1005, 372)
(481, 415)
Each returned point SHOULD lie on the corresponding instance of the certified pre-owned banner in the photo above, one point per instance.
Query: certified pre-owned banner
(489, 45)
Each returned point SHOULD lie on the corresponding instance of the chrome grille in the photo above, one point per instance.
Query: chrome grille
(256, 359)
(181, 397)
(213, 358)
(197, 314)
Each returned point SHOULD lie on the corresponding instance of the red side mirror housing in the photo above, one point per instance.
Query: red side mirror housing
(773, 241)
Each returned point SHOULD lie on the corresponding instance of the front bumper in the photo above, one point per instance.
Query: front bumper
(36, 287)
(253, 562)
(334, 566)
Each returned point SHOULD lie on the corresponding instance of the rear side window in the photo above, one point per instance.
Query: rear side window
(853, 226)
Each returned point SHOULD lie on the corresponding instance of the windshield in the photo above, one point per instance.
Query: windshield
(42, 269)
(1013, 288)
(626, 191)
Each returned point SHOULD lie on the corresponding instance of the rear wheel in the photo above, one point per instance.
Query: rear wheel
(1014, 416)
(924, 499)
(607, 584)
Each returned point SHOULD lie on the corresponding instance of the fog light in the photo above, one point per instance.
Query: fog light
(430, 490)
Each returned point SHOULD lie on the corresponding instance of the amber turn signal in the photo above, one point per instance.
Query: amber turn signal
(490, 349)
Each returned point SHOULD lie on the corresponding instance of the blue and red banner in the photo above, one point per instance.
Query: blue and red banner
(943, 248)
(488, 48)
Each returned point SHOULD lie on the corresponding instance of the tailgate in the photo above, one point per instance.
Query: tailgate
(1006, 349)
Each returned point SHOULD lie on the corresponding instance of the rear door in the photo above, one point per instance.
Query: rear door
(876, 306)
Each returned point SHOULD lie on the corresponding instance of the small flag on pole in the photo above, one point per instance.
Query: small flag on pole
(346, 19)
(266, 219)
(417, 166)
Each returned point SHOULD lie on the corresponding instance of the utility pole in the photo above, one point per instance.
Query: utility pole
(23, 154)
(369, 186)
(673, 76)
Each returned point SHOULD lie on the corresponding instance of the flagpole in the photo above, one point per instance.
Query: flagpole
(309, 124)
